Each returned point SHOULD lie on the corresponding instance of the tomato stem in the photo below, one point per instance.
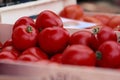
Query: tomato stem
(95, 30)
(98, 55)
(29, 29)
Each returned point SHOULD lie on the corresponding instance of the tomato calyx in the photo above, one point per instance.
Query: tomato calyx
(95, 30)
(29, 29)
(98, 55)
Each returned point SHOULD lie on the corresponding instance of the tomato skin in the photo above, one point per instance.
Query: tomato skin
(7, 55)
(85, 38)
(11, 49)
(72, 12)
(109, 54)
(105, 34)
(24, 37)
(53, 40)
(8, 43)
(57, 58)
(48, 18)
(27, 58)
(80, 55)
(103, 18)
(35, 51)
(25, 20)
(114, 22)
(91, 19)
(1, 45)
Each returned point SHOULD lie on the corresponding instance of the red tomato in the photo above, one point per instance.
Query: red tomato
(79, 55)
(27, 58)
(8, 43)
(11, 49)
(35, 52)
(1, 46)
(57, 58)
(85, 38)
(53, 39)
(25, 20)
(105, 34)
(114, 22)
(91, 19)
(24, 37)
(103, 18)
(7, 55)
(72, 12)
(108, 54)
(48, 18)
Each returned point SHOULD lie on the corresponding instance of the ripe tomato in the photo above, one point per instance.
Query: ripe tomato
(108, 54)
(80, 55)
(7, 55)
(72, 12)
(114, 22)
(103, 18)
(35, 52)
(24, 37)
(85, 38)
(25, 20)
(105, 34)
(11, 49)
(27, 58)
(8, 43)
(48, 18)
(91, 19)
(53, 40)
(57, 58)
(1, 46)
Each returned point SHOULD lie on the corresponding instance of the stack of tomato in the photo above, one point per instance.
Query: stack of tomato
(46, 39)
(77, 12)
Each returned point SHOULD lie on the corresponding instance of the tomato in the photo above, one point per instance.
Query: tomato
(53, 40)
(7, 55)
(103, 18)
(114, 22)
(80, 55)
(24, 37)
(91, 19)
(48, 18)
(25, 20)
(8, 43)
(72, 12)
(1, 46)
(27, 58)
(57, 58)
(85, 38)
(35, 51)
(105, 34)
(11, 49)
(108, 54)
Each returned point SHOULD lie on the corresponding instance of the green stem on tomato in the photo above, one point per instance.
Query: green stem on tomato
(98, 55)
(29, 29)
(95, 30)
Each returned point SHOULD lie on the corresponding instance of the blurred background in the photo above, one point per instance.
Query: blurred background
(111, 6)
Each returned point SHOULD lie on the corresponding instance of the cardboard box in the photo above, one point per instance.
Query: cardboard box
(10, 14)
